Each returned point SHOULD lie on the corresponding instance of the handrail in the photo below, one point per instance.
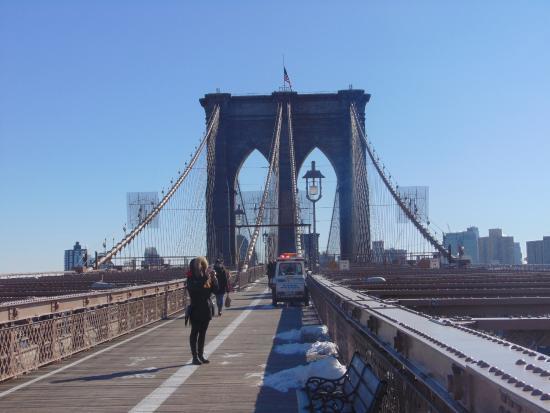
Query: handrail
(14, 311)
(27, 345)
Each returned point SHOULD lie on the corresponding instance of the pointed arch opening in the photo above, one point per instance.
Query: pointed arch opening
(248, 190)
(327, 218)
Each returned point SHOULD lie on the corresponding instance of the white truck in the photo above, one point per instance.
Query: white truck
(289, 280)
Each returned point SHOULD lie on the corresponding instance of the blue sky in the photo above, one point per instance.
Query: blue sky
(101, 98)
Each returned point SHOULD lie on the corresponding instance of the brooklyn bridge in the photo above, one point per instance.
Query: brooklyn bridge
(432, 332)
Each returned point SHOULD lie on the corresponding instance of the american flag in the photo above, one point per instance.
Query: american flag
(286, 78)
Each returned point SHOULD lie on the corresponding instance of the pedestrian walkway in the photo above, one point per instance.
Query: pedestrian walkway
(150, 370)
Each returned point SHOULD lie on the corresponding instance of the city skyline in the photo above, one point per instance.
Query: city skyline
(459, 104)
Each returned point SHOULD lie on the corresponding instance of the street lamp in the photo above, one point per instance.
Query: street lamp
(314, 192)
(239, 214)
(265, 237)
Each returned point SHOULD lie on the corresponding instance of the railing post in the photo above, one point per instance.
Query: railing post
(165, 306)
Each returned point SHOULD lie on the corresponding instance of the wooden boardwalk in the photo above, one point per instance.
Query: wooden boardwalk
(150, 369)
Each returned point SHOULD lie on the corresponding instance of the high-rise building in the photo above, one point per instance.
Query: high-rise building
(534, 252)
(538, 252)
(75, 258)
(378, 252)
(496, 248)
(151, 258)
(468, 239)
(546, 250)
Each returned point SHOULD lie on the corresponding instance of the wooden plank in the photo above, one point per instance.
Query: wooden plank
(119, 379)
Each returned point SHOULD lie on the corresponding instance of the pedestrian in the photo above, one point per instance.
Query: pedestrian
(201, 284)
(270, 272)
(223, 284)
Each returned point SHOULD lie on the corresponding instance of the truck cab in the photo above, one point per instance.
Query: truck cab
(289, 280)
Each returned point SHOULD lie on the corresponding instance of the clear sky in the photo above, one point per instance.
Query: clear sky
(99, 98)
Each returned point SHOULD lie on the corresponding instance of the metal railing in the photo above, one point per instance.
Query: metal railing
(26, 344)
(407, 391)
(244, 278)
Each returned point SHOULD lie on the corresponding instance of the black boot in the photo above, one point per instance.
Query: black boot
(203, 360)
(193, 343)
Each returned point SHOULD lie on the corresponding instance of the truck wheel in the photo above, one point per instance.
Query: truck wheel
(274, 297)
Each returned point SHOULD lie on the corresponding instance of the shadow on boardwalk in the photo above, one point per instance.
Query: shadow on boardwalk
(120, 374)
(269, 399)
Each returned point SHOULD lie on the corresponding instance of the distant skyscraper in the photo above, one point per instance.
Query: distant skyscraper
(75, 258)
(468, 239)
(378, 252)
(496, 248)
(546, 250)
(151, 258)
(534, 252)
(538, 252)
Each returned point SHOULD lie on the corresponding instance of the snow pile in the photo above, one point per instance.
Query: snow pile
(310, 334)
(296, 377)
(306, 334)
(311, 350)
(321, 349)
(314, 342)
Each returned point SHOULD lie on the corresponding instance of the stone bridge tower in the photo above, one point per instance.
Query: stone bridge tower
(320, 120)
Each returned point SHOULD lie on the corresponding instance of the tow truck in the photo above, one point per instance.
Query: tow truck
(289, 280)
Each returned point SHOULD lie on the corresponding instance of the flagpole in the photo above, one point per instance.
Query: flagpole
(284, 84)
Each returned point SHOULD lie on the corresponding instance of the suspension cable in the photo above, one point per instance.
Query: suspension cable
(423, 230)
(212, 126)
(295, 199)
(272, 171)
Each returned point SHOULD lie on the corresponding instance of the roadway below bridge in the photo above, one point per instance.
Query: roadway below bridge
(150, 369)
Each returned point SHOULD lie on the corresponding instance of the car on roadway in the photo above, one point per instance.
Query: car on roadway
(375, 280)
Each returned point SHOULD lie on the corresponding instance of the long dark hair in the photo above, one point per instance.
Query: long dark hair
(198, 267)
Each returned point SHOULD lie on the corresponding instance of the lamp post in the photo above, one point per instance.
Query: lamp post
(314, 192)
(239, 214)
(265, 237)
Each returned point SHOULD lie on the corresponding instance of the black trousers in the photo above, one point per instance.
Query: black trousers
(197, 337)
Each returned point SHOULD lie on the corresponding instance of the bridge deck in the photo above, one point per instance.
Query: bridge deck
(151, 368)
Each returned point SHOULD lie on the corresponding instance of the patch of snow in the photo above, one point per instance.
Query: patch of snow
(232, 355)
(250, 375)
(322, 349)
(134, 361)
(310, 334)
(223, 363)
(296, 377)
(306, 334)
(311, 350)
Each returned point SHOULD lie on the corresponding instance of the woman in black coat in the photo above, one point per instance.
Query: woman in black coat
(201, 285)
